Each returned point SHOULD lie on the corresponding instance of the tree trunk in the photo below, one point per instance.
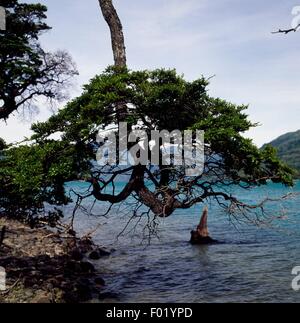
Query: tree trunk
(118, 46)
(117, 37)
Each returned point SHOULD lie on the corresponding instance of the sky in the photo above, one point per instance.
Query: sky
(230, 40)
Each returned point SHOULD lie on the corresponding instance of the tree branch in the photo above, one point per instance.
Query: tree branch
(286, 31)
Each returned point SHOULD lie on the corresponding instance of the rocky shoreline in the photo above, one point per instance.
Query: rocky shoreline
(43, 266)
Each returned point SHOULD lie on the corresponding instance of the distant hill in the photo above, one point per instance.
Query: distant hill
(288, 147)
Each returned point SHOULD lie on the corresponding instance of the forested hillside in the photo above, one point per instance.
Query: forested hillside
(288, 146)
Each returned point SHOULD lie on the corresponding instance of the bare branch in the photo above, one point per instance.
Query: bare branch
(286, 31)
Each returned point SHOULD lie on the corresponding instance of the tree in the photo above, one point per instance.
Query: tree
(26, 73)
(152, 100)
(26, 70)
(162, 100)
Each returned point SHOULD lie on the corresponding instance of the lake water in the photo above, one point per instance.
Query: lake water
(251, 264)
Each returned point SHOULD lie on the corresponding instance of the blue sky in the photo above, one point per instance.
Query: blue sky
(230, 39)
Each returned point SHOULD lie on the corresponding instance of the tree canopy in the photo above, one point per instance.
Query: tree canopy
(27, 71)
(155, 100)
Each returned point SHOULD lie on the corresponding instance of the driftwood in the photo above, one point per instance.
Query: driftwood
(201, 235)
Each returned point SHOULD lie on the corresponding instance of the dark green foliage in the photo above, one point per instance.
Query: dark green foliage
(164, 100)
(35, 174)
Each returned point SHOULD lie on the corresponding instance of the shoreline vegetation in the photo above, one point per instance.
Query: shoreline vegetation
(44, 266)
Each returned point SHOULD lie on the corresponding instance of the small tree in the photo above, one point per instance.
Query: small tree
(26, 70)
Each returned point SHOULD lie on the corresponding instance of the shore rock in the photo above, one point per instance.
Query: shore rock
(98, 254)
(46, 267)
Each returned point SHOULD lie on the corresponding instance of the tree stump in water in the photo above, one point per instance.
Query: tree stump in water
(201, 235)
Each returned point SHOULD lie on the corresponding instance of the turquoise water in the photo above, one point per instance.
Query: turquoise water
(252, 264)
